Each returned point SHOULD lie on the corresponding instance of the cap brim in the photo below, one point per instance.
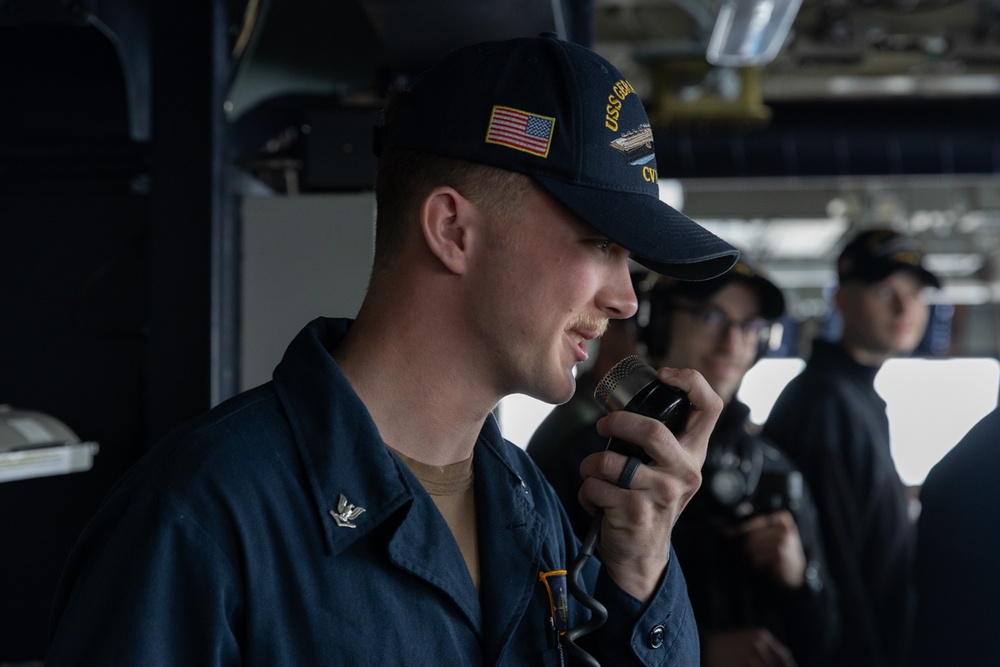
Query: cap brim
(658, 236)
(772, 301)
(880, 272)
(928, 278)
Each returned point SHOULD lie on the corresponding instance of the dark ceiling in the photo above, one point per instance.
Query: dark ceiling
(864, 102)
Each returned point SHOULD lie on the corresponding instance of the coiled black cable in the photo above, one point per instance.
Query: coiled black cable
(598, 612)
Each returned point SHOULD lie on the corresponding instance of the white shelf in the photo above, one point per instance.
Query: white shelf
(45, 461)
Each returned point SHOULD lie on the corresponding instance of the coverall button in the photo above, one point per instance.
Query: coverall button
(656, 637)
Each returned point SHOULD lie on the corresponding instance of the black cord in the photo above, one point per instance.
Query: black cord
(598, 612)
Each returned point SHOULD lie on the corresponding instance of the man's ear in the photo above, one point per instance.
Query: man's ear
(444, 217)
(838, 298)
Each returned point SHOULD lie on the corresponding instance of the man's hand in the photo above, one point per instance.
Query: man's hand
(635, 530)
(772, 544)
(747, 647)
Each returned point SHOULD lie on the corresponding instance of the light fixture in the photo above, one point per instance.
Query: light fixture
(750, 32)
(34, 444)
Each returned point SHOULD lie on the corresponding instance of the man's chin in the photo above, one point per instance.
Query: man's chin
(559, 398)
(903, 348)
(556, 393)
(726, 389)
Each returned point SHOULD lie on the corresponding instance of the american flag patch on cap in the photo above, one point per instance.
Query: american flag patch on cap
(518, 129)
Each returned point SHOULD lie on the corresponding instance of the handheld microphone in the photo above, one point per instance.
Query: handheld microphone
(630, 385)
(633, 385)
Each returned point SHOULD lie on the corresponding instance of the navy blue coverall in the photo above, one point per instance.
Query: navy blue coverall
(277, 529)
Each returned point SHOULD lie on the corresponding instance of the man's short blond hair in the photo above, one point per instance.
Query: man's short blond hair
(404, 178)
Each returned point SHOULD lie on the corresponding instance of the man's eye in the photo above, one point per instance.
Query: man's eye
(603, 245)
(715, 318)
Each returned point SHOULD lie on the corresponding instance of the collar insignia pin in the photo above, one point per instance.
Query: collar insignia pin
(346, 513)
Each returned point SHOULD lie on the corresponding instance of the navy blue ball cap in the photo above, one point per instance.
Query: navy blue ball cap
(560, 113)
(875, 254)
(772, 301)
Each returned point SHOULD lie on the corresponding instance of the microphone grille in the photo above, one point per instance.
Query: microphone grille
(606, 387)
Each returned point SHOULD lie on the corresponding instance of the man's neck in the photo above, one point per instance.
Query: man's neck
(865, 356)
(423, 401)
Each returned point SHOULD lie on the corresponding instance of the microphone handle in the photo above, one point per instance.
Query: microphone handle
(660, 401)
(663, 402)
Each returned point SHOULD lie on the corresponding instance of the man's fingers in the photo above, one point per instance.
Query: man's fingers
(628, 472)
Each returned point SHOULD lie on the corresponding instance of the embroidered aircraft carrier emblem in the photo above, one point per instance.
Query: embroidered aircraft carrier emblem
(637, 145)
(346, 513)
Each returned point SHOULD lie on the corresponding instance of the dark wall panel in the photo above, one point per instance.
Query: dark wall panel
(74, 283)
(72, 345)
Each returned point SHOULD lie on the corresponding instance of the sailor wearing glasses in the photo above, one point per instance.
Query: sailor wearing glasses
(749, 540)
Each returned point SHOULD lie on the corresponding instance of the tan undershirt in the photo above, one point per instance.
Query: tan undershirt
(452, 490)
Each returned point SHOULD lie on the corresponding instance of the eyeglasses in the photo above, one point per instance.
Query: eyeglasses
(716, 323)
